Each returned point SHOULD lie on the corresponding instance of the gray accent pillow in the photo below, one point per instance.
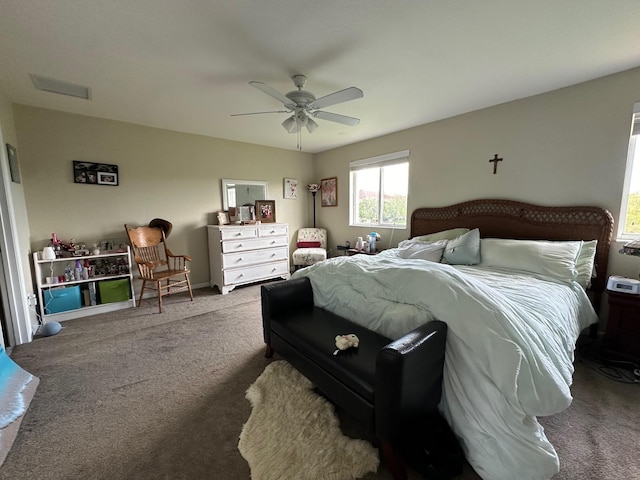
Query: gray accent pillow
(464, 250)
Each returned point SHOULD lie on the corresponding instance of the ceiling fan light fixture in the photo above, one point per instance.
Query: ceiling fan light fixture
(290, 124)
(311, 125)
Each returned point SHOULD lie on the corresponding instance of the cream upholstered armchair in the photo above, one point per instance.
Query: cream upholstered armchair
(311, 247)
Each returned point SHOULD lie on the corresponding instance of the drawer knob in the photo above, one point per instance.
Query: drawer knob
(240, 259)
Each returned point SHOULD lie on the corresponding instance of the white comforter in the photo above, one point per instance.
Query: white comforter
(510, 343)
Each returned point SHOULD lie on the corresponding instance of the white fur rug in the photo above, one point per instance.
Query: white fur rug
(294, 434)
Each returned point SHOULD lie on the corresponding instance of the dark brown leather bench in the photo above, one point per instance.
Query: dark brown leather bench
(389, 386)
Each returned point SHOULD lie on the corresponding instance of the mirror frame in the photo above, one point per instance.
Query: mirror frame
(227, 181)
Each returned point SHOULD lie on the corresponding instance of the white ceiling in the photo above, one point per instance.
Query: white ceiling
(185, 64)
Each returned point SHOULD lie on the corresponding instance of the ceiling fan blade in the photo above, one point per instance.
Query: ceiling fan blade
(259, 113)
(335, 117)
(263, 87)
(345, 95)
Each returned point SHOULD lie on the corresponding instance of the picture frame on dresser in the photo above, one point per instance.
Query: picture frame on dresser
(266, 211)
(223, 217)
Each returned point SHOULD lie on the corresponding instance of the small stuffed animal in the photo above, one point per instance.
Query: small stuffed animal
(346, 341)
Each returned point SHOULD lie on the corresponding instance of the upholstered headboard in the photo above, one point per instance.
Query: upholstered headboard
(519, 220)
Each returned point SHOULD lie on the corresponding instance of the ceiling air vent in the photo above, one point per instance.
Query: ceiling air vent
(58, 86)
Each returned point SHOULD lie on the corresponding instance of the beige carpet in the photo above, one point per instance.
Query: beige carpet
(294, 433)
(137, 395)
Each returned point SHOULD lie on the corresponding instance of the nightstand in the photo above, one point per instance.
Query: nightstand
(622, 339)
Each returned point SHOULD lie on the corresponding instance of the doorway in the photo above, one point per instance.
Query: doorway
(15, 317)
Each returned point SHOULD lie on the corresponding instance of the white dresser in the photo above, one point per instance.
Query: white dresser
(241, 254)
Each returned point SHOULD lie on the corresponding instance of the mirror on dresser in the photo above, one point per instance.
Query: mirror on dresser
(236, 193)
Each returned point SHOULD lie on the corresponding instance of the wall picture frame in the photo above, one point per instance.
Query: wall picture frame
(329, 192)
(266, 211)
(95, 173)
(14, 168)
(290, 188)
(107, 178)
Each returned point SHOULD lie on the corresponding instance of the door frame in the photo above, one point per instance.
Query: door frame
(12, 280)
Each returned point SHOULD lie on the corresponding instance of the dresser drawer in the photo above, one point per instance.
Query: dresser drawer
(240, 245)
(272, 230)
(256, 272)
(229, 233)
(252, 257)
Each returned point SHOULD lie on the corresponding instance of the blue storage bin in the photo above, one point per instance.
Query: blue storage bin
(58, 300)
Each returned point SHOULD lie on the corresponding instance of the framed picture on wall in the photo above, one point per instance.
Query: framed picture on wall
(266, 211)
(290, 188)
(95, 173)
(14, 168)
(107, 178)
(329, 192)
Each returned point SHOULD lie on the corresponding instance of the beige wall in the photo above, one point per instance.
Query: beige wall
(568, 146)
(565, 147)
(163, 174)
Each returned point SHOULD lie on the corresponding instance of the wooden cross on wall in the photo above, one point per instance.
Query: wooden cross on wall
(495, 161)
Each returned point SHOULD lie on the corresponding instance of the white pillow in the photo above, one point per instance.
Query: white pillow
(552, 259)
(585, 263)
(463, 250)
(443, 235)
(422, 250)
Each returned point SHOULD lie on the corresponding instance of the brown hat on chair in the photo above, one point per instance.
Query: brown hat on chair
(163, 224)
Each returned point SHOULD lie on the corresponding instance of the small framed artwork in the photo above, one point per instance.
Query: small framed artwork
(107, 178)
(329, 192)
(14, 168)
(223, 218)
(266, 211)
(290, 188)
(95, 173)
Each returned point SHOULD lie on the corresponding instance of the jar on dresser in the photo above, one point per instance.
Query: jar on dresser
(242, 254)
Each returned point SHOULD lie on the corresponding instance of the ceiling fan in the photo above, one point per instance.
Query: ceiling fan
(303, 105)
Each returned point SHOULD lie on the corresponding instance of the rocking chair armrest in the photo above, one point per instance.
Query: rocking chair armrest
(170, 254)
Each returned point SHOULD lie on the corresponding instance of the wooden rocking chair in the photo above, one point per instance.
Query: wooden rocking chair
(156, 264)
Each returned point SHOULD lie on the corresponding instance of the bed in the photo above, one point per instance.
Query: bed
(513, 319)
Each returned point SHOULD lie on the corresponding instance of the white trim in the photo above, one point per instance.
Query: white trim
(387, 159)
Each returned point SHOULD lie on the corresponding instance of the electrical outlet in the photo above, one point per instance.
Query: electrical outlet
(32, 300)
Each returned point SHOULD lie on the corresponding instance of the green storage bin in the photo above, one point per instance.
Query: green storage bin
(114, 290)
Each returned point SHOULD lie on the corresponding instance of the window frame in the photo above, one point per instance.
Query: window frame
(380, 161)
(634, 143)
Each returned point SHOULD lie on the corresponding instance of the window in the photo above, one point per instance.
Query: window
(630, 210)
(379, 188)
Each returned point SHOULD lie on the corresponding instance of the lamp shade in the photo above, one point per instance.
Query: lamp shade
(290, 124)
(311, 125)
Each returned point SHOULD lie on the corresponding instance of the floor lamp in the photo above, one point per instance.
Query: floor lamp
(313, 188)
